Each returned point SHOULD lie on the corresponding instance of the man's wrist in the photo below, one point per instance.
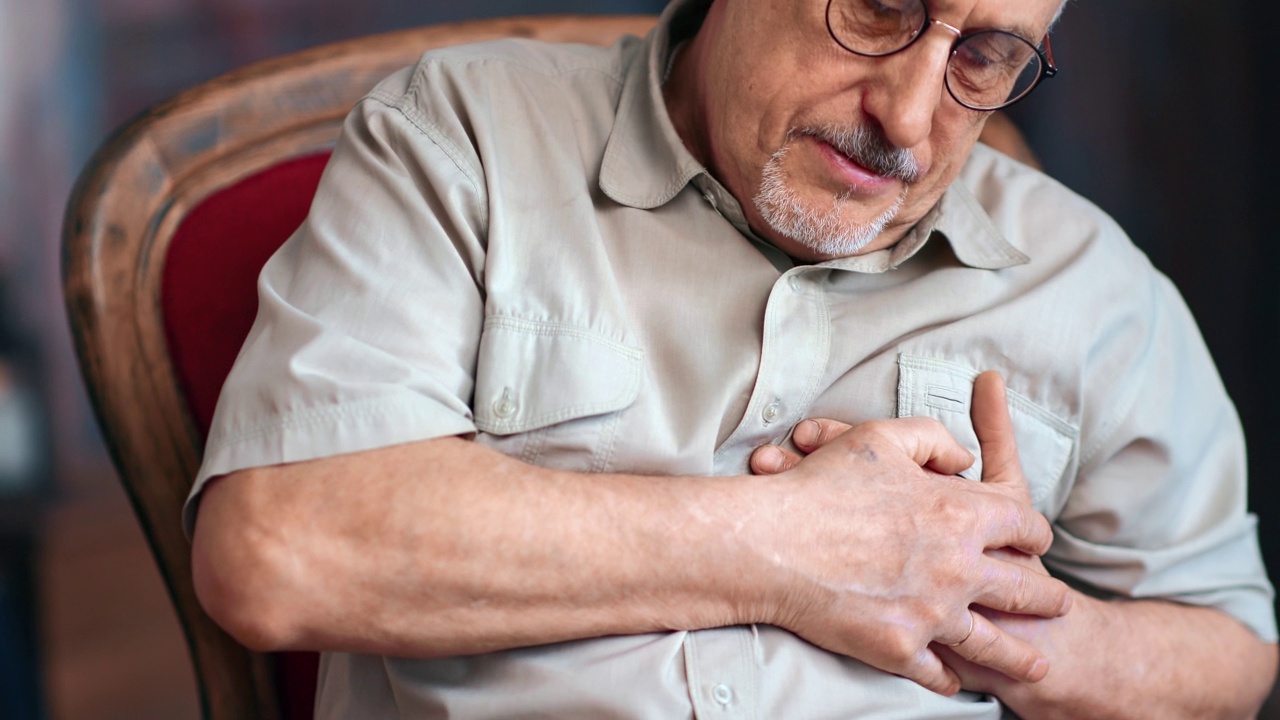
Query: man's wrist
(749, 517)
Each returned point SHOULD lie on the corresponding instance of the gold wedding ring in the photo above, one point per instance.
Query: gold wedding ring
(972, 622)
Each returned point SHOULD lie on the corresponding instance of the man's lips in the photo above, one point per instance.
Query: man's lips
(857, 178)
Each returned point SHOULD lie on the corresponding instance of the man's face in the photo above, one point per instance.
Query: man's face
(829, 152)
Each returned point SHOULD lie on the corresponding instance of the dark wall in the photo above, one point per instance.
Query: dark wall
(1165, 114)
(1260, 397)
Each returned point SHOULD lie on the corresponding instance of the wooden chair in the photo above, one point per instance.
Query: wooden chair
(164, 236)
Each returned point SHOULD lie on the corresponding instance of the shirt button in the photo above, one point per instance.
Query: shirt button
(771, 412)
(794, 282)
(722, 693)
(505, 406)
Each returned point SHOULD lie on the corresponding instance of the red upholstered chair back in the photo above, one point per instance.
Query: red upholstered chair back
(164, 237)
(208, 286)
(208, 300)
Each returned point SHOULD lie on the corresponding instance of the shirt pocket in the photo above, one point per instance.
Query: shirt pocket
(552, 394)
(939, 389)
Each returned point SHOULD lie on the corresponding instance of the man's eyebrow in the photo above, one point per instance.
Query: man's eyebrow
(1022, 31)
(1026, 31)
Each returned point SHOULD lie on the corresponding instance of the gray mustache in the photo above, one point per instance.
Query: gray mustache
(868, 147)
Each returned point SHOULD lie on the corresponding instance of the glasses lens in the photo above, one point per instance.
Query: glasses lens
(991, 69)
(875, 27)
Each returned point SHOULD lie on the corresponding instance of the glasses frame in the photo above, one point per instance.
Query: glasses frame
(1048, 68)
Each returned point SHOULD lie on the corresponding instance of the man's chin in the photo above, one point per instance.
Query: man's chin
(816, 224)
(814, 233)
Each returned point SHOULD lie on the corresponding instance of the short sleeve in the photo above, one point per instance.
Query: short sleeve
(1158, 509)
(369, 316)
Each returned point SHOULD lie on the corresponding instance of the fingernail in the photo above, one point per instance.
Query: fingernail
(806, 433)
(769, 459)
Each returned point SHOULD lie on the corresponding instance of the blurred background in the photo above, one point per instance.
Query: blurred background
(1165, 114)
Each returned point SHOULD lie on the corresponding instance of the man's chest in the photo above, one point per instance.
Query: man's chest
(676, 347)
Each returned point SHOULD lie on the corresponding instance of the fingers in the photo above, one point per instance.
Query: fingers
(994, 428)
(932, 674)
(928, 443)
(1014, 588)
(1012, 522)
(809, 435)
(991, 647)
(771, 460)
(968, 629)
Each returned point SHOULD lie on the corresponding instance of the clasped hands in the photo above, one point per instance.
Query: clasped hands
(894, 559)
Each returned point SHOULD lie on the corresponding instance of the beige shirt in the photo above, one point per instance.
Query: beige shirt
(511, 241)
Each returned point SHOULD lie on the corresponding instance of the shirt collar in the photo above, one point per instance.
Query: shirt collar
(645, 162)
(974, 238)
(959, 219)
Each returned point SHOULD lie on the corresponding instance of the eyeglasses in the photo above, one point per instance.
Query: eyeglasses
(987, 69)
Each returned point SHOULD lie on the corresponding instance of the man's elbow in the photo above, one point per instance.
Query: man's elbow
(1264, 661)
(242, 575)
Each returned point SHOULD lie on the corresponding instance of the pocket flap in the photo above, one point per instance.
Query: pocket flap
(928, 387)
(531, 374)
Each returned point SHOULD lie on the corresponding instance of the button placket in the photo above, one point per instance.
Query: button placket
(723, 673)
(795, 351)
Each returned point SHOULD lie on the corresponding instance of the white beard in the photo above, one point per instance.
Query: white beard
(823, 232)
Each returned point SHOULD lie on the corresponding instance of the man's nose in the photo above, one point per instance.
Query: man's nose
(908, 86)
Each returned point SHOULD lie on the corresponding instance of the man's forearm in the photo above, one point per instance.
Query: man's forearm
(444, 548)
(1136, 659)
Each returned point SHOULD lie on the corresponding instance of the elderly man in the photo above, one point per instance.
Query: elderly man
(490, 444)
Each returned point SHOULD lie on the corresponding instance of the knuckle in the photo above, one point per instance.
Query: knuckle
(1032, 593)
(916, 670)
(1031, 519)
(875, 428)
(1020, 593)
(954, 511)
(1046, 532)
(903, 647)
(1035, 528)
(934, 617)
(983, 648)
(1020, 666)
(931, 678)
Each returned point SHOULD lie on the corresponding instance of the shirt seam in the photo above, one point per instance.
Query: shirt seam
(465, 61)
(436, 135)
(556, 329)
(308, 418)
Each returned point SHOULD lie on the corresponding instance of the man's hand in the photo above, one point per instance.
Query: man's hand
(894, 549)
(1108, 659)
